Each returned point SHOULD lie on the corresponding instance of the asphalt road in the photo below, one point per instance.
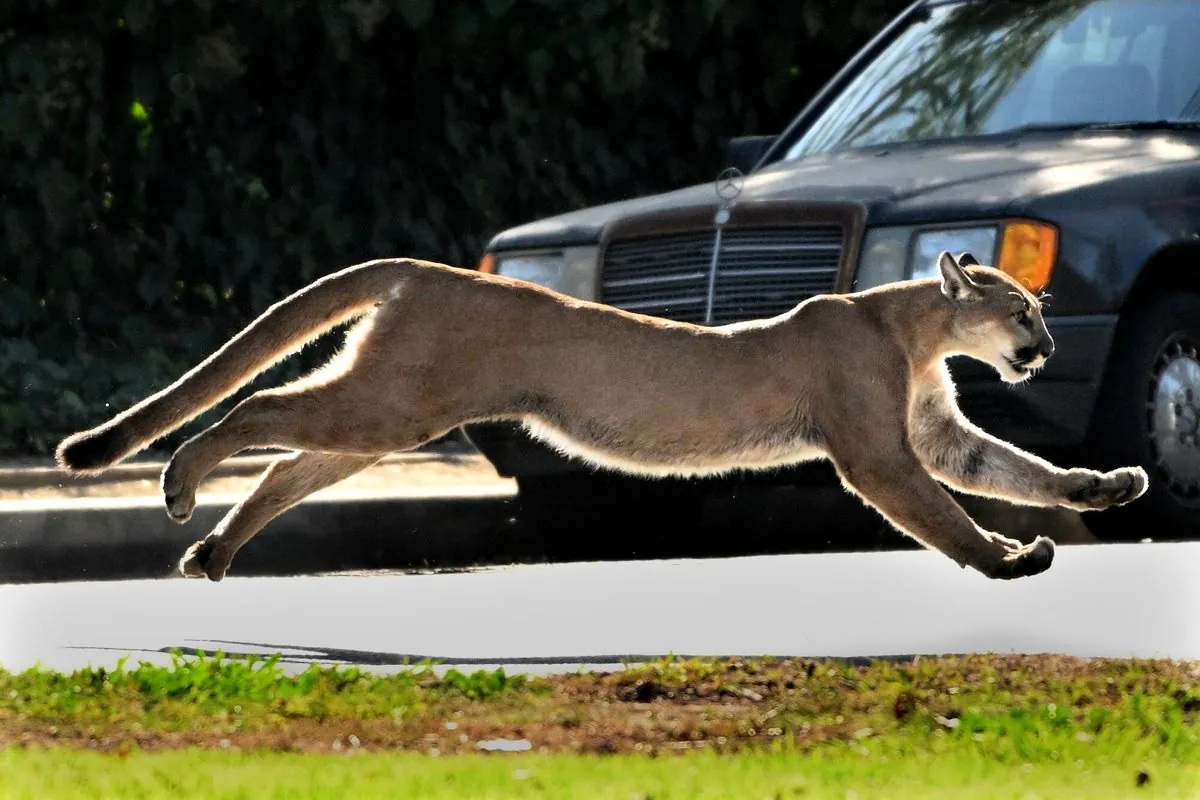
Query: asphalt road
(1097, 600)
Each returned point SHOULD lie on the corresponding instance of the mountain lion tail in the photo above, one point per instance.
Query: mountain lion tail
(281, 329)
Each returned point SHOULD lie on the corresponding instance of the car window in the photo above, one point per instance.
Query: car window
(1066, 81)
(980, 68)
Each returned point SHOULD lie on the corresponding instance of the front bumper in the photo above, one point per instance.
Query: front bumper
(1050, 412)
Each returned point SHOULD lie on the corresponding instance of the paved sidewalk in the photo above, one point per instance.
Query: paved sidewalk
(1109, 601)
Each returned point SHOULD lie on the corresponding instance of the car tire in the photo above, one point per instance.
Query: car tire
(641, 516)
(1148, 414)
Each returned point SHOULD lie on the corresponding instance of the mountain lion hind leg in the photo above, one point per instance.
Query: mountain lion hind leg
(284, 484)
(368, 399)
(970, 460)
(330, 418)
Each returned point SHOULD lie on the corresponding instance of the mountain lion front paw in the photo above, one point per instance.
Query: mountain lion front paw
(203, 559)
(1096, 490)
(1023, 562)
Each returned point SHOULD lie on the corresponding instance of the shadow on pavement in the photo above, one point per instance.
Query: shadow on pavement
(330, 656)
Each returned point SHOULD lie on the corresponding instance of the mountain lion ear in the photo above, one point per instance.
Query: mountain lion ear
(967, 260)
(957, 286)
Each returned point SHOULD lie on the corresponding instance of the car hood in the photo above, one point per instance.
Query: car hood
(908, 183)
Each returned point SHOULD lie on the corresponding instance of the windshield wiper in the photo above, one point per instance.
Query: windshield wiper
(1143, 125)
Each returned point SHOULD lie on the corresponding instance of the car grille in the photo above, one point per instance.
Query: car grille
(761, 272)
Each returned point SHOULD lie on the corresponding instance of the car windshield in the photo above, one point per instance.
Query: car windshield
(971, 69)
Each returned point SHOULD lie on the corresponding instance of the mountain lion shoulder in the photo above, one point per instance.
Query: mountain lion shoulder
(859, 379)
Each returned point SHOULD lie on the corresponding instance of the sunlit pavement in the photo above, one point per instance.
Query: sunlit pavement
(1097, 600)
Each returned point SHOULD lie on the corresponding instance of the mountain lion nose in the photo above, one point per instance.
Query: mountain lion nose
(1044, 349)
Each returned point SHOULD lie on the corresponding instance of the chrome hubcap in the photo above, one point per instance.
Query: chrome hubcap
(1174, 417)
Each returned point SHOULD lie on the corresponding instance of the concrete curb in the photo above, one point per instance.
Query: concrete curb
(122, 538)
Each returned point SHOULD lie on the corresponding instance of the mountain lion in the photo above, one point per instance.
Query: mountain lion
(859, 379)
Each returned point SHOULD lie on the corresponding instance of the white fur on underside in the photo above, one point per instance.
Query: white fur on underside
(762, 457)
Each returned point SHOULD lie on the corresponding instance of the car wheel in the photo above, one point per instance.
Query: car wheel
(638, 515)
(1148, 414)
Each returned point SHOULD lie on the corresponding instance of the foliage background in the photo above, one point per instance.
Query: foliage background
(172, 167)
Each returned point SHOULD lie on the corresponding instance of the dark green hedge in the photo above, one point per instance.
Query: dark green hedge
(171, 167)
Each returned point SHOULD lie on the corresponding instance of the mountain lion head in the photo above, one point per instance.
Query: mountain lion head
(997, 320)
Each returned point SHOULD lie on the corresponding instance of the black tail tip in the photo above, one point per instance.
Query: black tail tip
(89, 451)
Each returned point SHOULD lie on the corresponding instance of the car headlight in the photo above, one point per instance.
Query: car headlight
(928, 245)
(1024, 249)
(570, 270)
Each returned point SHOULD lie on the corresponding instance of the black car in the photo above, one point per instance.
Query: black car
(1057, 140)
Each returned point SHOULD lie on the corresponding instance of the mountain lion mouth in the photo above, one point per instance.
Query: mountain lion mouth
(1018, 366)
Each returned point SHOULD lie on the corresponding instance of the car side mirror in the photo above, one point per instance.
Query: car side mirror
(744, 152)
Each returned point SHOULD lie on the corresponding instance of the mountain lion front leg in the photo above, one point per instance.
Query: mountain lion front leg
(971, 460)
(887, 475)
(284, 484)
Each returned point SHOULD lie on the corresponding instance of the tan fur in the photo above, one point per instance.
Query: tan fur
(858, 379)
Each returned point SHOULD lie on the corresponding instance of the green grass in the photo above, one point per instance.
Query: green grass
(201, 687)
(838, 772)
(972, 726)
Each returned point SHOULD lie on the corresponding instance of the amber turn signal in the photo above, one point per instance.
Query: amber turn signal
(487, 263)
(1027, 253)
